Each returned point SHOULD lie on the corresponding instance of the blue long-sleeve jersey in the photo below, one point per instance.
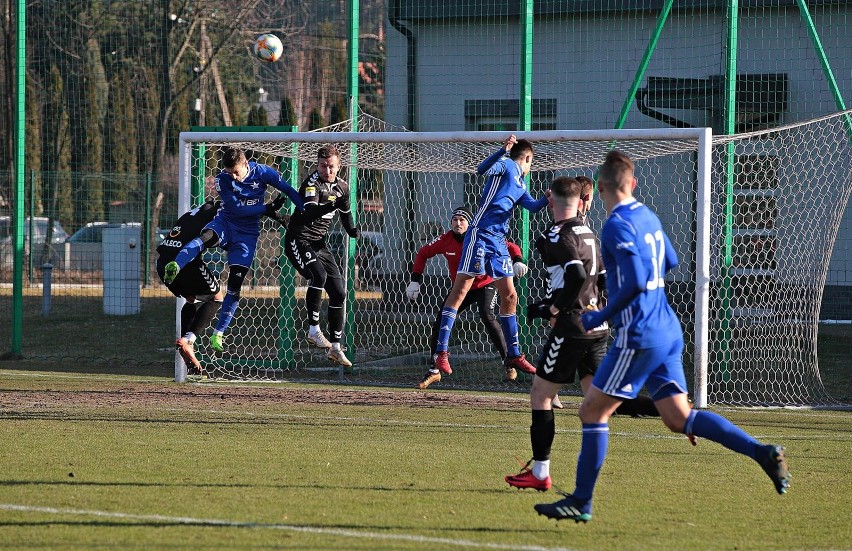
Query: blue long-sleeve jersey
(504, 188)
(637, 254)
(243, 202)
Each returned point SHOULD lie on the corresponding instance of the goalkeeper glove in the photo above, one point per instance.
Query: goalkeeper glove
(413, 290)
(539, 310)
(273, 206)
(354, 232)
(520, 269)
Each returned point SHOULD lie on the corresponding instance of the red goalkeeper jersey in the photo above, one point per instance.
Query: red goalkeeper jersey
(450, 246)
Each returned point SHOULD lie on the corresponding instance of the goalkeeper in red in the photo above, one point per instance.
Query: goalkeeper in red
(485, 252)
(236, 227)
(648, 346)
(483, 291)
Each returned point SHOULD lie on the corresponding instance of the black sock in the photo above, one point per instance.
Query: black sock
(641, 405)
(542, 430)
(187, 313)
(205, 314)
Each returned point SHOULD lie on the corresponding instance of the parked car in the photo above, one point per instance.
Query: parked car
(85, 249)
(93, 233)
(39, 227)
(369, 255)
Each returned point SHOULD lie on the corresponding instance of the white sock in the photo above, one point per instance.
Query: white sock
(335, 346)
(313, 330)
(541, 469)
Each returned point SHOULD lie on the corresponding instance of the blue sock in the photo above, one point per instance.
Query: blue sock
(188, 253)
(592, 454)
(226, 314)
(448, 318)
(509, 324)
(711, 426)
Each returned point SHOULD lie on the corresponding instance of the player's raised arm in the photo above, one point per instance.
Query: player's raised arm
(496, 156)
(532, 205)
(279, 183)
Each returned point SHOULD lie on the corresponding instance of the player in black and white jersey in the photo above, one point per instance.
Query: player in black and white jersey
(195, 282)
(305, 247)
(570, 252)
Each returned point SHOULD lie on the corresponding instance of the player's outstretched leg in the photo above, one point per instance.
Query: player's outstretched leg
(771, 457)
(567, 508)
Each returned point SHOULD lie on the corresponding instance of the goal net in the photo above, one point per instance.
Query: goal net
(749, 329)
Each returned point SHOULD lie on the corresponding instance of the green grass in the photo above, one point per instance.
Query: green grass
(116, 462)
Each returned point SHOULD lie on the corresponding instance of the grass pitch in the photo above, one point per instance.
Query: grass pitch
(140, 462)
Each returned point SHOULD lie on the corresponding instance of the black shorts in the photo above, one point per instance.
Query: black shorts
(566, 356)
(302, 253)
(195, 279)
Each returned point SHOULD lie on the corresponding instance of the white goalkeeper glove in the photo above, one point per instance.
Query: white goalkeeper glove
(520, 269)
(413, 290)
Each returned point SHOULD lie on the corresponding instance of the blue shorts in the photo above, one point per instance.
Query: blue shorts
(485, 253)
(240, 242)
(624, 371)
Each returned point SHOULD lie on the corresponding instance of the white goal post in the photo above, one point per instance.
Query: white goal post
(406, 184)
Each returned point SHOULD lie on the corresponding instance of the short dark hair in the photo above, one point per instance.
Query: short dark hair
(327, 151)
(588, 185)
(232, 157)
(520, 148)
(566, 187)
(615, 169)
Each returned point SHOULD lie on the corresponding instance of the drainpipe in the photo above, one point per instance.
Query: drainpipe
(411, 85)
(411, 206)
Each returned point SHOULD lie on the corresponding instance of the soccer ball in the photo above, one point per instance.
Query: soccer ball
(268, 48)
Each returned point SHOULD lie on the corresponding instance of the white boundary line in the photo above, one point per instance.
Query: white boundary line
(287, 527)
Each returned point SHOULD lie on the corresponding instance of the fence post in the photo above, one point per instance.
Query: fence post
(46, 278)
(146, 239)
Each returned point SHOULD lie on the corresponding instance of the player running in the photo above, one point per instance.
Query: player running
(648, 346)
(485, 252)
(570, 252)
(236, 227)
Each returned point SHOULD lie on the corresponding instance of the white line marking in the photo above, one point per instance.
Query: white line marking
(288, 527)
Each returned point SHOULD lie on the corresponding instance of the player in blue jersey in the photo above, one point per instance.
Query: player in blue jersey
(236, 226)
(648, 345)
(485, 251)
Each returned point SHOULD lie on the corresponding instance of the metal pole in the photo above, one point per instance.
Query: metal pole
(146, 225)
(46, 278)
(525, 125)
(354, 31)
(730, 116)
(643, 65)
(20, 153)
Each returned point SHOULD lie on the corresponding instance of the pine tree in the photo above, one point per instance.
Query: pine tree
(315, 120)
(257, 116)
(287, 115)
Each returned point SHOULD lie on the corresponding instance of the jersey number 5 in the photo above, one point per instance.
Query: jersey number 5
(658, 256)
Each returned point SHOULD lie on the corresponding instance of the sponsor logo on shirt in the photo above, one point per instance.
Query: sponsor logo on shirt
(625, 245)
(175, 231)
(310, 191)
(580, 230)
(172, 243)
